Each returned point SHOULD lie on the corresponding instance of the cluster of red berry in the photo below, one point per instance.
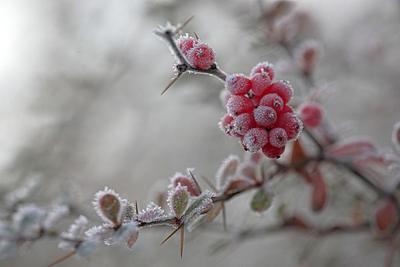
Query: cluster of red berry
(198, 54)
(258, 112)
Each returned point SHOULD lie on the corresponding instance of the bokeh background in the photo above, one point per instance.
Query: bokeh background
(80, 107)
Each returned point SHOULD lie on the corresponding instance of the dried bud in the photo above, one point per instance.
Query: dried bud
(108, 206)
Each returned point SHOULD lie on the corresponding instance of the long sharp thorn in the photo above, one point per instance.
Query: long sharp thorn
(184, 24)
(182, 240)
(63, 258)
(224, 216)
(171, 83)
(170, 235)
(136, 208)
(195, 181)
(196, 35)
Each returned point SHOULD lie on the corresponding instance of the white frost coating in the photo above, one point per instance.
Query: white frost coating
(278, 137)
(262, 67)
(153, 212)
(177, 196)
(237, 84)
(265, 116)
(74, 232)
(255, 139)
(127, 233)
(96, 204)
(226, 169)
(199, 205)
(242, 123)
(27, 219)
(224, 96)
(54, 216)
(238, 104)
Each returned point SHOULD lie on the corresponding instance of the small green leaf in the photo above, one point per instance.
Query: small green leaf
(261, 200)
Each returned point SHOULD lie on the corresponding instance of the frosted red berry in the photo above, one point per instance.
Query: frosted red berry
(237, 84)
(311, 114)
(291, 124)
(185, 43)
(260, 83)
(201, 56)
(243, 123)
(225, 124)
(239, 104)
(272, 151)
(283, 89)
(264, 116)
(263, 67)
(278, 137)
(255, 139)
(258, 111)
(272, 100)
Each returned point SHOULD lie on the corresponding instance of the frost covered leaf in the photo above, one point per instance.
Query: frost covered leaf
(178, 200)
(198, 206)
(108, 206)
(152, 213)
(54, 216)
(187, 181)
(227, 169)
(86, 247)
(386, 217)
(261, 200)
(27, 219)
(128, 233)
(74, 232)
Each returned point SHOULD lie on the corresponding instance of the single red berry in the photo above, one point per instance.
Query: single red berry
(264, 116)
(291, 124)
(272, 100)
(185, 43)
(263, 67)
(283, 89)
(201, 56)
(278, 137)
(272, 151)
(260, 83)
(237, 84)
(255, 139)
(311, 114)
(239, 104)
(226, 123)
(243, 123)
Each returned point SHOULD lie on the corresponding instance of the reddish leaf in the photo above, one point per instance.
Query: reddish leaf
(386, 216)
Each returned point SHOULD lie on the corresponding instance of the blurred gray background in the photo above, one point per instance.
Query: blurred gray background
(80, 106)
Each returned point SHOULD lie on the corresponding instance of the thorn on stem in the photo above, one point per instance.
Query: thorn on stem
(171, 83)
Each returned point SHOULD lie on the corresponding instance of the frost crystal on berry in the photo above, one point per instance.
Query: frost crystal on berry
(265, 116)
(237, 84)
(255, 139)
(263, 67)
